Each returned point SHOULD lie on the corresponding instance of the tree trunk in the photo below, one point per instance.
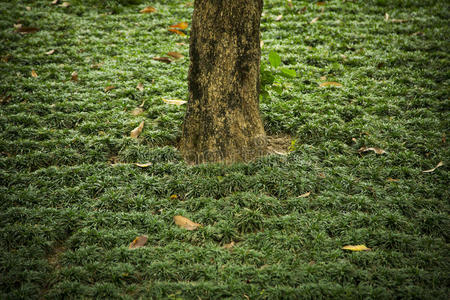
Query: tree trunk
(222, 122)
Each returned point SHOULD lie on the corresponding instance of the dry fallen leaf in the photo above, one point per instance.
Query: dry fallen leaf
(137, 131)
(177, 31)
(174, 101)
(323, 78)
(392, 179)
(142, 104)
(147, 10)
(65, 4)
(54, 2)
(330, 83)
(50, 52)
(163, 59)
(356, 248)
(289, 3)
(175, 55)
(398, 21)
(440, 164)
(301, 11)
(376, 150)
(140, 87)
(96, 66)
(28, 8)
(386, 17)
(186, 223)
(34, 74)
(261, 43)
(314, 20)
(74, 76)
(229, 246)
(144, 165)
(108, 88)
(137, 111)
(304, 195)
(138, 242)
(279, 18)
(5, 99)
(24, 30)
(418, 33)
(181, 25)
(320, 3)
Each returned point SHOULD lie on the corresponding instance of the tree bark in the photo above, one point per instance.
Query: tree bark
(222, 122)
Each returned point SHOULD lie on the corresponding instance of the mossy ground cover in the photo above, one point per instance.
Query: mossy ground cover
(69, 210)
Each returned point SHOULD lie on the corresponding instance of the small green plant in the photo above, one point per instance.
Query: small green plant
(272, 75)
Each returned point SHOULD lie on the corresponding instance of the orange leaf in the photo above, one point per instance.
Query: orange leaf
(138, 242)
(175, 55)
(330, 83)
(137, 131)
(177, 31)
(34, 74)
(182, 25)
(147, 10)
(186, 223)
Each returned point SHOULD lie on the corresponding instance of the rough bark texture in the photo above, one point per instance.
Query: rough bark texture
(222, 121)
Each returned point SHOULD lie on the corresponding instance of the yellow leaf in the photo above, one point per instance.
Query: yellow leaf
(144, 165)
(392, 179)
(186, 223)
(174, 101)
(74, 76)
(175, 55)
(440, 164)
(314, 20)
(304, 195)
(376, 150)
(356, 248)
(147, 10)
(137, 131)
(182, 25)
(173, 196)
(34, 74)
(177, 31)
(140, 87)
(330, 83)
(138, 242)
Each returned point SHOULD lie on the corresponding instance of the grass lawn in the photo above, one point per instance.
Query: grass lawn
(72, 198)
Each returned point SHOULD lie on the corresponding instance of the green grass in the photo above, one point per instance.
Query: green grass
(67, 214)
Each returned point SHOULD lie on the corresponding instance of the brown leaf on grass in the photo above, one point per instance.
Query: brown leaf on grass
(65, 4)
(374, 149)
(174, 101)
(175, 55)
(50, 52)
(138, 242)
(289, 3)
(330, 83)
(304, 195)
(147, 10)
(163, 59)
(181, 25)
(34, 74)
(74, 77)
(137, 131)
(140, 87)
(320, 3)
(356, 248)
(109, 87)
(301, 11)
(144, 165)
(177, 31)
(96, 66)
(229, 245)
(186, 223)
(25, 30)
(440, 164)
(279, 18)
(137, 111)
(392, 179)
(323, 78)
(314, 20)
(418, 33)
(5, 58)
